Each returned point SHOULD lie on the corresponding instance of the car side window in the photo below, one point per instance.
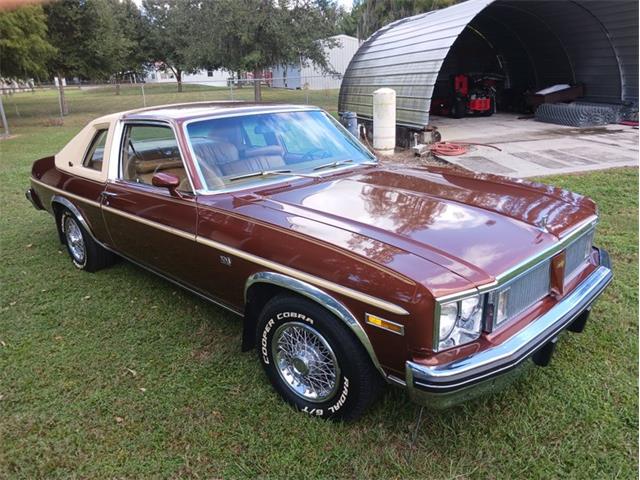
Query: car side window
(149, 149)
(95, 154)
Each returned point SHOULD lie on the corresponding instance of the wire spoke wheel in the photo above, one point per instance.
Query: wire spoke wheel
(75, 241)
(305, 362)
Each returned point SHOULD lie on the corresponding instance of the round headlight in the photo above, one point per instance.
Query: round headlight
(448, 317)
(468, 307)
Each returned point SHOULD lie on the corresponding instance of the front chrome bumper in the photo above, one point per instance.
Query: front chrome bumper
(441, 386)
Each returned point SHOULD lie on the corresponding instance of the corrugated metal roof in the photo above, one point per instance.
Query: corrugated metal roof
(588, 41)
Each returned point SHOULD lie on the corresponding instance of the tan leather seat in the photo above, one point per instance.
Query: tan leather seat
(223, 159)
(255, 164)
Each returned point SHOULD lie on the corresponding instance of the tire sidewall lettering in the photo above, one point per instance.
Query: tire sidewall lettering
(341, 398)
(265, 342)
(282, 317)
(293, 316)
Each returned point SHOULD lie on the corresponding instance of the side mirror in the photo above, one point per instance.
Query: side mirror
(166, 180)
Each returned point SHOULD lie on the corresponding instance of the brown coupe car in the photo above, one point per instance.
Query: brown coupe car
(347, 273)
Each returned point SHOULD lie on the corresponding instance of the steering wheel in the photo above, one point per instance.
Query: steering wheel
(135, 153)
(311, 154)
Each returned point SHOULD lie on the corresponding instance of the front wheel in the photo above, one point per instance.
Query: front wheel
(313, 361)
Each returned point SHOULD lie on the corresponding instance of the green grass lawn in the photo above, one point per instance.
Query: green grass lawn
(120, 374)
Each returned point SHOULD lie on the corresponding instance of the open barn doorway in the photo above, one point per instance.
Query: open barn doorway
(512, 50)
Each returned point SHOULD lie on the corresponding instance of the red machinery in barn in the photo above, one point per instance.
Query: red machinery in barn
(473, 94)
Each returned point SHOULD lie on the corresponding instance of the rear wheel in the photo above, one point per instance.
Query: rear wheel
(313, 361)
(85, 252)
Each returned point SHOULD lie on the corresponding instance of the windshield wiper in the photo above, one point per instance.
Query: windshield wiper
(337, 163)
(262, 173)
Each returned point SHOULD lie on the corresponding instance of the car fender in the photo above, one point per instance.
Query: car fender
(316, 295)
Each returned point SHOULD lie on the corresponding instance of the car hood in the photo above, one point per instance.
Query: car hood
(477, 226)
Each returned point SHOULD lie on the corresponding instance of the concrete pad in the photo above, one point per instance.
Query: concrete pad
(538, 160)
(486, 165)
(597, 155)
(531, 148)
(567, 157)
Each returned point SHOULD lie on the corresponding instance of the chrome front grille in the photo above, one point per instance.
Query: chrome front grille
(529, 288)
(520, 293)
(515, 294)
(577, 252)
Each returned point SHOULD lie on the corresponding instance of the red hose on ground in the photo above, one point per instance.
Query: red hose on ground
(448, 149)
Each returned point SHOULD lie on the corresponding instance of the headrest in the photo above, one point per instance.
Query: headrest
(262, 151)
(150, 166)
(217, 153)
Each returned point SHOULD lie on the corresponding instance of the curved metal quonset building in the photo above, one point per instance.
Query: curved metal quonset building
(532, 43)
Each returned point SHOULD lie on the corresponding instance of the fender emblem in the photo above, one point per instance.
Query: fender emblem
(224, 260)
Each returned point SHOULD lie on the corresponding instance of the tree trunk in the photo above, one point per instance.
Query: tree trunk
(179, 79)
(64, 109)
(257, 86)
(117, 84)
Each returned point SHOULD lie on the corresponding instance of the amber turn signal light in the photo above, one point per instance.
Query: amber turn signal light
(385, 324)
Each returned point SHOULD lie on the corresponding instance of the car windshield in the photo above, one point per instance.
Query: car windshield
(249, 148)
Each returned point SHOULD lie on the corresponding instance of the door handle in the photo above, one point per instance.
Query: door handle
(106, 196)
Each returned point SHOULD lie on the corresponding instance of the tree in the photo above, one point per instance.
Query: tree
(168, 41)
(133, 27)
(90, 38)
(64, 24)
(24, 48)
(348, 22)
(254, 35)
(116, 34)
(371, 15)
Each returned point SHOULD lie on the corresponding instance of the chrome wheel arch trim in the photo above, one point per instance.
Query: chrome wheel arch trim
(60, 200)
(323, 299)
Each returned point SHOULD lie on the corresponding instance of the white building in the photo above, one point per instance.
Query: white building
(313, 78)
(293, 76)
(213, 78)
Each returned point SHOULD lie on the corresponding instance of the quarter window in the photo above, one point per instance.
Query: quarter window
(95, 155)
(149, 149)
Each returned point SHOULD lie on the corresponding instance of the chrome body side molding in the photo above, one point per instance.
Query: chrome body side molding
(73, 209)
(322, 298)
(305, 278)
(263, 262)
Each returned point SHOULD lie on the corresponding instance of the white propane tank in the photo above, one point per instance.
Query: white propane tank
(384, 121)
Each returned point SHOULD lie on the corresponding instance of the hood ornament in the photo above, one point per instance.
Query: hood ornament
(544, 224)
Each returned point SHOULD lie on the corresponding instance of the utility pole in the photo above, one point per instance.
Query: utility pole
(4, 117)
